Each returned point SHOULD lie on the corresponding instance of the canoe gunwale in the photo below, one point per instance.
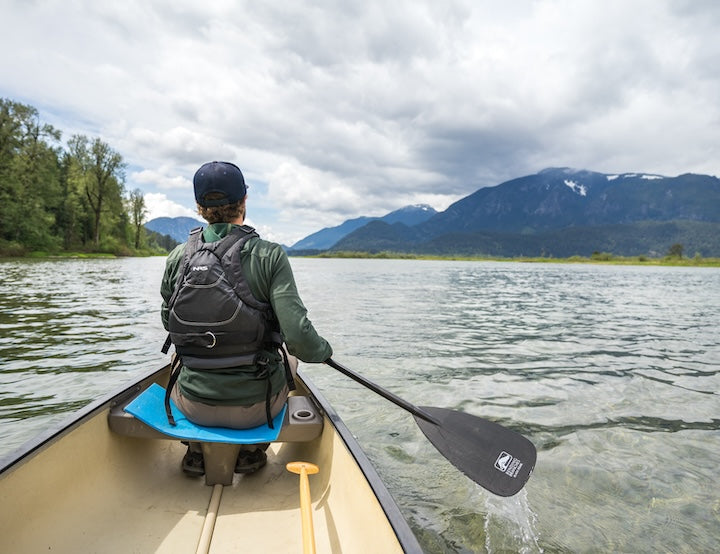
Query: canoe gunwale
(397, 521)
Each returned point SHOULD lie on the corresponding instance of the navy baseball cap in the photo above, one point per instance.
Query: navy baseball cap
(222, 181)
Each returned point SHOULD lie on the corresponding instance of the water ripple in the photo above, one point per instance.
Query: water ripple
(613, 372)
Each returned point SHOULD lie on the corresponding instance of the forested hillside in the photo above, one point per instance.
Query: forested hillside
(60, 196)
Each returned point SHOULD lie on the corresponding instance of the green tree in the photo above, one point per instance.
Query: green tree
(73, 220)
(676, 250)
(138, 211)
(30, 192)
(9, 144)
(99, 171)
(52, 198)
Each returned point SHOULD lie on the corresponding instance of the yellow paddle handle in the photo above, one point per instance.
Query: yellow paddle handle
(304, 469)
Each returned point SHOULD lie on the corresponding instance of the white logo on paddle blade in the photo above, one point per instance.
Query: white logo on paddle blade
(508, 464)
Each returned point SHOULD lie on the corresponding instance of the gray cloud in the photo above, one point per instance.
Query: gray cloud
(340, 109)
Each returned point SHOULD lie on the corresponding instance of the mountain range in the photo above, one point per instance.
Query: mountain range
(178, 227)
(329, 236)
(563, 212)
(556, 212)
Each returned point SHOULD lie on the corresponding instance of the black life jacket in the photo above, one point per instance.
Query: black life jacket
(214, 320)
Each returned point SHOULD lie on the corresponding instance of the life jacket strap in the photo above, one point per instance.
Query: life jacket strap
(288, 371)
(175, 368)
(166, 344)
(263, 372)
(193, 245)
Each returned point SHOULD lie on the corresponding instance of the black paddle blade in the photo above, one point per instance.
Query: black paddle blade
(496, 458)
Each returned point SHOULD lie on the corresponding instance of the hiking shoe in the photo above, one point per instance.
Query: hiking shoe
(193, 464)
(249, 461)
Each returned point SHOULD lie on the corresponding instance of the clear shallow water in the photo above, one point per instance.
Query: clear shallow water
(611, 371)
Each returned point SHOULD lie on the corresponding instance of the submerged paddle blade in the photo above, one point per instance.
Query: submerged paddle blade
(496, 458)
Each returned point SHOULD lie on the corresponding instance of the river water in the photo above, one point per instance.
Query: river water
(612, 371)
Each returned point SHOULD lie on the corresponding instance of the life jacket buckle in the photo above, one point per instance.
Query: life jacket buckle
(214, 339)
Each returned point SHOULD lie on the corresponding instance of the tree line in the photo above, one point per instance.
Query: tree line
(58, 197)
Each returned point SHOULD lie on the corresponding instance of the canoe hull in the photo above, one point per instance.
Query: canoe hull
(86, 488)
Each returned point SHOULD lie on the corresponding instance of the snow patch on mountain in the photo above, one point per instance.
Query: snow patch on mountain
(647, 176)
(416, 207)
(577, 188)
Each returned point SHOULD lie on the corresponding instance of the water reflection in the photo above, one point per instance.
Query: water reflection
(68, 326)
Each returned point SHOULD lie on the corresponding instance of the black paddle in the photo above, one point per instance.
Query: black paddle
(496, 458)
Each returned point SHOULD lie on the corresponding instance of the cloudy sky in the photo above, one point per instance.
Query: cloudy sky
(336, 109)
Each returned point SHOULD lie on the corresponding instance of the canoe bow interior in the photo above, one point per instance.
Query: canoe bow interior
(88, 489)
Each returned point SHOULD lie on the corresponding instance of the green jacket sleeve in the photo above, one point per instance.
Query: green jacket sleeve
(273, 281)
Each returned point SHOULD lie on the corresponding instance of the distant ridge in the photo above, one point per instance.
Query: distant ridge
(327, 237)
(176, 227)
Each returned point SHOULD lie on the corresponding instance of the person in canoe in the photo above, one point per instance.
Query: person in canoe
(234, 315)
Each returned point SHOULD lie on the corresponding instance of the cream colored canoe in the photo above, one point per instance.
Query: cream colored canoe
(107, 483)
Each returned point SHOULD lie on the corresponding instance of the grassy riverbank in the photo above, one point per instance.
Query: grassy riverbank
(600, 258)
(38, 255)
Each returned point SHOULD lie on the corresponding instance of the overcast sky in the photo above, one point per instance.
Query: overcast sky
(339, 109)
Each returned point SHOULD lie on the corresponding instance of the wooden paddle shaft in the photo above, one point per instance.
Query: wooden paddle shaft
(209, 525)
(308, 532)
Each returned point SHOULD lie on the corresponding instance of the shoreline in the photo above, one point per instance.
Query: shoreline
(78, 256)
(601, 259)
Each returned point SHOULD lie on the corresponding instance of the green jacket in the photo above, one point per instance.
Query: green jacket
(269, 275)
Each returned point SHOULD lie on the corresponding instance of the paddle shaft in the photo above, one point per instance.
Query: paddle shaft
(209, 524)
(306, 508)
(404, 404)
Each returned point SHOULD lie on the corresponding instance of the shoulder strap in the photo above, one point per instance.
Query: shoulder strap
(193, 244)
(233, 267)
(234, 239)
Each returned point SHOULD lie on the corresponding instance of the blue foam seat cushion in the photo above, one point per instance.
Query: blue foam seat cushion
(149, 407)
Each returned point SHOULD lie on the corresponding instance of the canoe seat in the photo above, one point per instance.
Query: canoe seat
(143, 416)
(149, 408)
